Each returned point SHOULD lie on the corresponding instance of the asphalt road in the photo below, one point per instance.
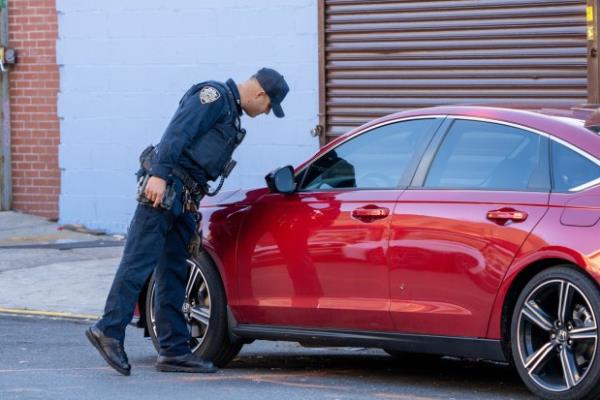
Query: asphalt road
(43, 358)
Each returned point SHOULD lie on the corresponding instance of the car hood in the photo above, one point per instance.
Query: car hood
(241, 196)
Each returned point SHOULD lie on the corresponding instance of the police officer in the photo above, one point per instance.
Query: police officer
(195, 148)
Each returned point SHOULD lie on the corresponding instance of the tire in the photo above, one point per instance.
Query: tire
(554, 335)
(205, 310)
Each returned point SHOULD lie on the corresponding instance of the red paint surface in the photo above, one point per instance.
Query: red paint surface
(424, 261)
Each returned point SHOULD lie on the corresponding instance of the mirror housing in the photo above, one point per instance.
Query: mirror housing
(281, 180)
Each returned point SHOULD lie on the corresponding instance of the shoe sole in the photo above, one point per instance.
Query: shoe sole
(172, 368)
(90, 336)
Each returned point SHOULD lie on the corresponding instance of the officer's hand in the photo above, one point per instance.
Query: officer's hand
(155, 190)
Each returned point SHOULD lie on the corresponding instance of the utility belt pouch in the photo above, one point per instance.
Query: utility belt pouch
(169, 197)
(167, 200)
(145, 157)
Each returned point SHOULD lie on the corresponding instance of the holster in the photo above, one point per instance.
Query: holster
(168, 199)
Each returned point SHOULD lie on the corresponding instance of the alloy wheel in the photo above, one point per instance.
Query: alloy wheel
(196, 307)
(557, 335)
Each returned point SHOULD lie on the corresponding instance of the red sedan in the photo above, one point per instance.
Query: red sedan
(461, 231)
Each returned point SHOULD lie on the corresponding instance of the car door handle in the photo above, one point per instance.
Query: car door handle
(371, 213)
(507, 214)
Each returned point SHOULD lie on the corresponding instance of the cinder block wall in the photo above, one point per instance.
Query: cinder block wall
(33, 96)
(125, 64)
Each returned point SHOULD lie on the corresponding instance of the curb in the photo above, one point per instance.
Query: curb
(51, 314)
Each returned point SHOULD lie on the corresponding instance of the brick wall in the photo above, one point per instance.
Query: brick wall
(34, 84)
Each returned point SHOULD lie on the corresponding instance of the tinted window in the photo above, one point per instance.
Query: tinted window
(571, 169)
(485, 155)
(376, 159)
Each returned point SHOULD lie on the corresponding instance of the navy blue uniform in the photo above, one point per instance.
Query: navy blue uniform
(203, 132)
(200, 139)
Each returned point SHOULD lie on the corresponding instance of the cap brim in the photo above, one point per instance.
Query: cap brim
(277, 110)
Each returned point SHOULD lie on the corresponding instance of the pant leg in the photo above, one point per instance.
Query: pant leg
(171, 278)
(145, 241)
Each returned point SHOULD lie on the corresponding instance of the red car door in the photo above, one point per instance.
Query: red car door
(457, 230)
(317, 260)
(318, 257)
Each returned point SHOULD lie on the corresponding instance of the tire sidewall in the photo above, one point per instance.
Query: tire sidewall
(217, 330)
(590, 386)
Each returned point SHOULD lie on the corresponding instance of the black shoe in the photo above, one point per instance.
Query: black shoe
(184, 363)
(110, 349)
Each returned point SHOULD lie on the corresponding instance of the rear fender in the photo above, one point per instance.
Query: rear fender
(525, 265)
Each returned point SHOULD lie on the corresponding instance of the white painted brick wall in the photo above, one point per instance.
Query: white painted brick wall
(125, 64)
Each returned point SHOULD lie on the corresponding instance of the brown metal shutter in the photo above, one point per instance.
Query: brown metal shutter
(380, 57)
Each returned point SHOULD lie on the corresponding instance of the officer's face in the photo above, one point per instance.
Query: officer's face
(260, 103)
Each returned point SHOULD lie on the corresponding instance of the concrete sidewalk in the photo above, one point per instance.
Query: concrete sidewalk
(46, 269)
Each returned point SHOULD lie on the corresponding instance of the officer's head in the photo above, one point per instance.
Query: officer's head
(264, 91)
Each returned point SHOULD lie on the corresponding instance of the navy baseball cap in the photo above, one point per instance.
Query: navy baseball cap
(276, 87)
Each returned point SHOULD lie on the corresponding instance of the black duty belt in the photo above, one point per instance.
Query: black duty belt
(190, 183)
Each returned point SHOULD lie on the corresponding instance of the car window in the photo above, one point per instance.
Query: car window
(489, 156)
(571, 170)
(376, 159)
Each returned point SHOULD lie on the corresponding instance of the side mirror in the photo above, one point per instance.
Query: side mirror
(281, 180)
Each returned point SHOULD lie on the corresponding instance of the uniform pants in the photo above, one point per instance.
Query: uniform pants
(156, 241)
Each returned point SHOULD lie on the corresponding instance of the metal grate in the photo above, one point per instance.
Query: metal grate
(383, 56)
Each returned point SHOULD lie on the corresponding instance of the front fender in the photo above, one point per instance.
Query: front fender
(220, 228)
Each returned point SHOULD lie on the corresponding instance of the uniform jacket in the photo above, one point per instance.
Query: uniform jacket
(202, 134)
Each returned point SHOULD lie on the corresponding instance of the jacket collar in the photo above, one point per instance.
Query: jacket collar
(236, 95)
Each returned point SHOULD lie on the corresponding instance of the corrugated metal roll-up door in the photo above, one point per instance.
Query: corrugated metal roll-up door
(379, 56)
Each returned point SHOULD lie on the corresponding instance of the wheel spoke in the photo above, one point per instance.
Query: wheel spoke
(539, 358)
(585, 333)
(190, 284)
(201, 314)
(536, 315)
(202, 291)
(569, 368)
(564, 300)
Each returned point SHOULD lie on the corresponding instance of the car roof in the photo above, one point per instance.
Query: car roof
(571, 130)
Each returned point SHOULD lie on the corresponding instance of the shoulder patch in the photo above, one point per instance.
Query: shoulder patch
(209, 94)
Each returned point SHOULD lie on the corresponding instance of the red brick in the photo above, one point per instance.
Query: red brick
(33, 28)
